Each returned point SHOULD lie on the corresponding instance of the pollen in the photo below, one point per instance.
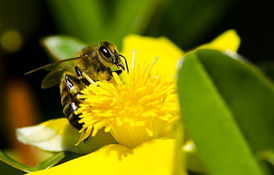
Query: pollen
(140, 106)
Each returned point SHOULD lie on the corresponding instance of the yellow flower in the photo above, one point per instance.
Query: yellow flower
(227, 41)
(134, 115)
(126, 110)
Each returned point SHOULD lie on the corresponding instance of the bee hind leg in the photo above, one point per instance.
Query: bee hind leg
(69, 100)
(83, 76)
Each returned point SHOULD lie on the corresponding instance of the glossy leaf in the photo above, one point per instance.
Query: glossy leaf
(248, 94)
(51, 161)
(62, 47)
(226, 106)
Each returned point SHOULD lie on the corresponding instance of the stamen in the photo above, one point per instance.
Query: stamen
(116, 78)
(153, 63)
(133, 59)
(139, 109)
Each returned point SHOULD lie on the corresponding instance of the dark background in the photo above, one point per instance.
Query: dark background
(187, 23)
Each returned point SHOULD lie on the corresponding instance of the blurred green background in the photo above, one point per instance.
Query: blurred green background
(188, 23)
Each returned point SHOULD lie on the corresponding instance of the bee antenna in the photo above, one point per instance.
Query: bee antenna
(125, 62)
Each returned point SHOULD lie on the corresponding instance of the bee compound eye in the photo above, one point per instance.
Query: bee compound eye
(104, 51)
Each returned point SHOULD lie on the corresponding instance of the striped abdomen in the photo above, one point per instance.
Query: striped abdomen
(70, 87)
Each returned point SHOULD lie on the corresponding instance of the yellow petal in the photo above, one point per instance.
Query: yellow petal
(59, 135)
(229, 40)
(151, 158)
(148, 49)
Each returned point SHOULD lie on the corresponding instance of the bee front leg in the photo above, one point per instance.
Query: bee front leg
(83, 76)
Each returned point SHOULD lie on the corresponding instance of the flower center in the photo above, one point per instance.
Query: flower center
(138, 107)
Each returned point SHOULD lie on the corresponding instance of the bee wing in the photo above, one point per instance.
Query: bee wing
(56, 71)
(55, 65)
(51, 79)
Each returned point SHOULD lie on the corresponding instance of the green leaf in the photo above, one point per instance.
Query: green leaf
(81, 19)
(227, 107)
(139, 14)
(94, 21)
(62, 47)
(51, 161)
(248, 94)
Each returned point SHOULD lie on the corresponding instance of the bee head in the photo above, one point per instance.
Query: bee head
(109, 57)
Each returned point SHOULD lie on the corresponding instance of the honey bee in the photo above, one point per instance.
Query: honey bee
(94, 63)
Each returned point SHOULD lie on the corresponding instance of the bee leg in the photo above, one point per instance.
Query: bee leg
(83, 76)
(70, 102)
(70, 83)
